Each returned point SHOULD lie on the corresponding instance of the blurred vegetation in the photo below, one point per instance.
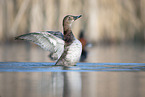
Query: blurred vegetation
(103, 20)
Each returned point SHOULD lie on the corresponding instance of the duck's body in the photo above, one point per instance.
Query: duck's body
(63, 47)
(71, 54)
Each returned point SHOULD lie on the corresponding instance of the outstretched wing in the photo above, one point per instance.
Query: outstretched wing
(48, 40)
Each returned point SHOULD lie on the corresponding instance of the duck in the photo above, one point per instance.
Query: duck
(64, 47)
(83, 40)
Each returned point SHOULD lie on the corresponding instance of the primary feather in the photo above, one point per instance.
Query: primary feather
(49, 40)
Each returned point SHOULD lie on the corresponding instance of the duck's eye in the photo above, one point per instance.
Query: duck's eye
(69, 18)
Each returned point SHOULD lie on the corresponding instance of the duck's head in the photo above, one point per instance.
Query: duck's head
(69, 19)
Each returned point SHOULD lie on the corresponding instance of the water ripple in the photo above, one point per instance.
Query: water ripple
(80, 67)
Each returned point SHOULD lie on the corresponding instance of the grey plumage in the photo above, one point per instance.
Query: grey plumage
(49, 40)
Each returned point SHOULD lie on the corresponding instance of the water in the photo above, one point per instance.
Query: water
(80, 67)
(72, 84)
(36, 79)
(21, 51)
(109, 71)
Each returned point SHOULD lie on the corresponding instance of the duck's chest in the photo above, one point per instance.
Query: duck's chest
(73, 51)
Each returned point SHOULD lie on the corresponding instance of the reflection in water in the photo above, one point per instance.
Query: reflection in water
(72, 84)
(36, 84)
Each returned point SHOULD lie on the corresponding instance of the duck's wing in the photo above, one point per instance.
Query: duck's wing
(49, 40)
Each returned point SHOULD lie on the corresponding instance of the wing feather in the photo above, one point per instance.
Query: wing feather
(49, 40)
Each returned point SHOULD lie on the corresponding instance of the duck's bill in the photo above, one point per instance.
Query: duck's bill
(76, 17)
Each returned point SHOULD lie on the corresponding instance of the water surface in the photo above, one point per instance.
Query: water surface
(36, 79)
(80, 67)
(109, 71)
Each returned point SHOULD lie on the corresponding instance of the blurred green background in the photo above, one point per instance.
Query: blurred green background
(105, 22)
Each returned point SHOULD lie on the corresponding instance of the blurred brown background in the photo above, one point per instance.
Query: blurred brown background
(114, 30)
(104, 22)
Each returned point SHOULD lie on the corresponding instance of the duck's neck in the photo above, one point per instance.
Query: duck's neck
(68, 35)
